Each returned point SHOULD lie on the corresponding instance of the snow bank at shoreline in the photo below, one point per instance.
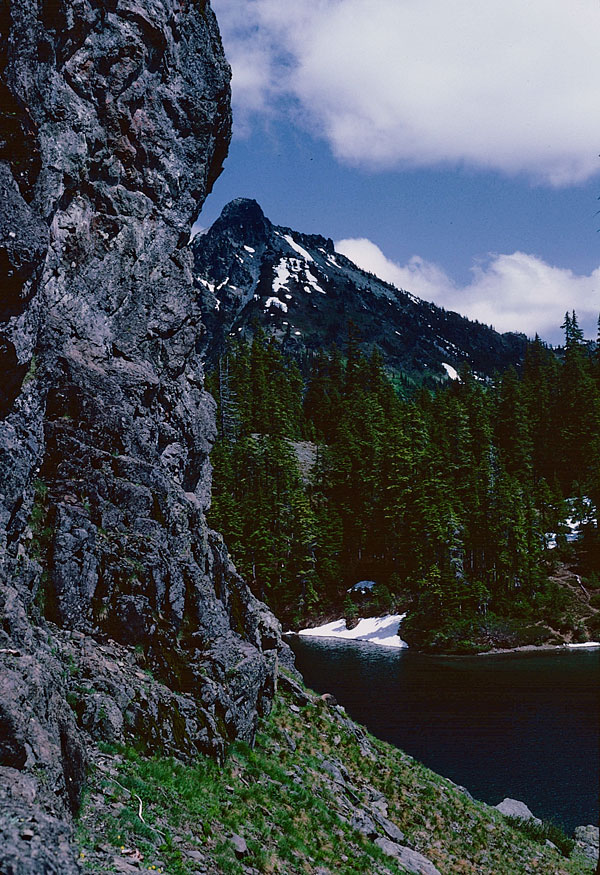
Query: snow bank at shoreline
(588, 644)
(382, 631)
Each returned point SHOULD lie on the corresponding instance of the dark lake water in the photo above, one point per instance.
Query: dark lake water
(522, 725)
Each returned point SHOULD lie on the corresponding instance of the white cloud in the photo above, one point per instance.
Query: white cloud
(517, 292)
(501, 84)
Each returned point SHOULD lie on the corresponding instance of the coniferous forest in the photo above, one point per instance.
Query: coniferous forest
(327, 471)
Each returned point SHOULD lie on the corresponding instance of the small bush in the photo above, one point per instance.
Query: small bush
(580, 635)
(544, 831)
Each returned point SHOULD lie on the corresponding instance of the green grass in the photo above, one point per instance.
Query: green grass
(31, 372)
(287, 826)
(292, 815)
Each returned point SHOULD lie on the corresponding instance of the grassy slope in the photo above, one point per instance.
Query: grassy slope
(292, 798)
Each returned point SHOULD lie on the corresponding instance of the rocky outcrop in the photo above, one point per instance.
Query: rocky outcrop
(411, 860)
(115, 124)
(587, 841)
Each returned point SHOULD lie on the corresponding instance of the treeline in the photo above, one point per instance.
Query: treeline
(443, 498)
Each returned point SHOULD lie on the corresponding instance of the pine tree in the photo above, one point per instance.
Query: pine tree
(540, 378)
(597, 355)
(579, 412)
(512, 427)
(226, 414)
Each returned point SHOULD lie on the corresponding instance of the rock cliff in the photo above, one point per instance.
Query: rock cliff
(115, 121)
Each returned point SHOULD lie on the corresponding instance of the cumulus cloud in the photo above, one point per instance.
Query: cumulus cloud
(501, 84)
(516, 292)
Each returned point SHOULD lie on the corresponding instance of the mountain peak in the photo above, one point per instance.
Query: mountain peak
(244, 218)
(299, 289)
(242, 207)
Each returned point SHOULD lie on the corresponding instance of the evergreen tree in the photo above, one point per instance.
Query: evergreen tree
(512, 427)
(443, 492)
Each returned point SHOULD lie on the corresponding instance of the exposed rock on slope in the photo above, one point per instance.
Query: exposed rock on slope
(298, 288)
(116, 120)
(317, 794)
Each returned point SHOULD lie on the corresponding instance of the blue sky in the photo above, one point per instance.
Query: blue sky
(457, 159)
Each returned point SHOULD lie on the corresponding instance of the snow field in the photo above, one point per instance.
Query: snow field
(382, 631)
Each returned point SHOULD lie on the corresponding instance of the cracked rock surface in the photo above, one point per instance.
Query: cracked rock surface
(115, 120)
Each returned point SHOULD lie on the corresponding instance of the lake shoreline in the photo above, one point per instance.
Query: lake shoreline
(339, 631)
(523, 725)
(537, 648)
(506, 651)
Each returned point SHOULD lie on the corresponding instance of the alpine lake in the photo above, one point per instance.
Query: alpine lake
(524, 725)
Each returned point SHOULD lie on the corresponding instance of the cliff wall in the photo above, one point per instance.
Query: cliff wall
(115, 121)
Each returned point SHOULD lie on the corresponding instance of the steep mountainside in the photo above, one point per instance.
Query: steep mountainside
(298, 287)
(115, 118)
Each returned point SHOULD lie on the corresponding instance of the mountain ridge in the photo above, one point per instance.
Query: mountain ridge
(248, 271)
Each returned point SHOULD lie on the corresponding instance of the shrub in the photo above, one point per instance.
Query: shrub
(544, 831)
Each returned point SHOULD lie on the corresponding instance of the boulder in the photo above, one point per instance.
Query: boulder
(363, 823)
(515, 808)
(390, 829)
(412, 861)
(239, 845)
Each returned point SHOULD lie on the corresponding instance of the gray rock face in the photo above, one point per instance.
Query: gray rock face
(390, 829)
(115, 123)
(587, 841)
(363, 823)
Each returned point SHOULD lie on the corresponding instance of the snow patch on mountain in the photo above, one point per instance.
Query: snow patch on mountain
(313, 283)
(275, 302)
(206, 284)
(282, 275)
(297, 248)
(452, 372)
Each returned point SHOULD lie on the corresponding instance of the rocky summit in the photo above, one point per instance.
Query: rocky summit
(249, 272)
(115, 123)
